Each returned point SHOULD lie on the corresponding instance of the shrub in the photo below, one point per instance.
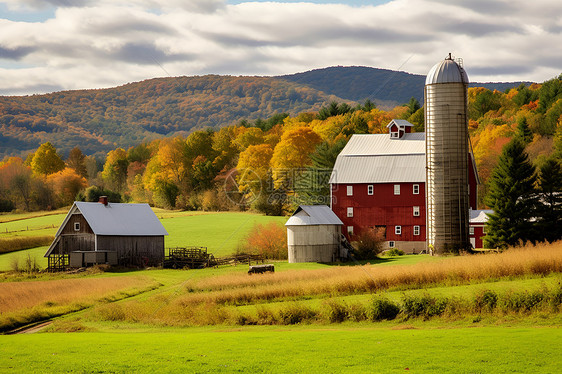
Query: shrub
(381, 308)
(368, 243)
(485, 300)
(265, 316)
(423, 306)
(268, 240)
(394, 252)
(335, 311)
(29, 265)
(295, 313)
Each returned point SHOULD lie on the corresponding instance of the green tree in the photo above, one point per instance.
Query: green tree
(314, 187)
(413, 106)
(549, 211)
(46, 160)
(523, 131)
(511, 196)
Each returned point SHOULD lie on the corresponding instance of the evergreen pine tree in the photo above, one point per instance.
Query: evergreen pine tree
(523, 130)
(512, 197)
(549, 209)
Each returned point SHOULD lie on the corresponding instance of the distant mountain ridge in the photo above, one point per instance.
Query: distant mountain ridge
(385, 87)
(99, 120)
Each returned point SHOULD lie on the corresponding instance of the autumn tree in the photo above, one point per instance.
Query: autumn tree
(77, 161)
(511, 196)
(66, 184)
(253, 170)
(46, 160)
(291, 156)
(115, 169)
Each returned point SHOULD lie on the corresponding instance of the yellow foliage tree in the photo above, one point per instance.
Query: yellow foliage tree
(253, 168)
(46, 160)
(291, 155)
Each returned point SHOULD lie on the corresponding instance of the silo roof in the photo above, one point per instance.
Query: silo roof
(307, 215)
(446, 71)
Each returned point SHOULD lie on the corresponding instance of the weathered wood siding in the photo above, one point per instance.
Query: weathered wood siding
(133, 246)
(75, 242)
(69, 227)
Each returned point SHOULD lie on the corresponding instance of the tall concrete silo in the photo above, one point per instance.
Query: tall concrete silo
(446, 128)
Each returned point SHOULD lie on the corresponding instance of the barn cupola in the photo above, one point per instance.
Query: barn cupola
(398, 127)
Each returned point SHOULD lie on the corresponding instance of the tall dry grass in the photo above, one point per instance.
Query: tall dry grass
(18, 243)
(239, 289)
(207, 301)
(25, 302)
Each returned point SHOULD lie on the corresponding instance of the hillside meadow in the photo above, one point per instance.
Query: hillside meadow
(493, 313)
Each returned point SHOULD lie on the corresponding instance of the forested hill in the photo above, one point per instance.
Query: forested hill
(387, 88)
(100, 120)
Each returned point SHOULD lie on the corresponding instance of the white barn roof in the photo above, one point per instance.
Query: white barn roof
(377, 158)
(118, 219)
(307, 215)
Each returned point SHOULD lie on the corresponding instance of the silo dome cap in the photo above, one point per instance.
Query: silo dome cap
(447, 71)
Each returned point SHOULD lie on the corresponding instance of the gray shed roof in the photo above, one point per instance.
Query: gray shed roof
(379, 159)
(446, 71)
(307, 215)
(118, 219)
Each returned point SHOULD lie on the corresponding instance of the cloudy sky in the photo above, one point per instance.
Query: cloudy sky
(51, 45)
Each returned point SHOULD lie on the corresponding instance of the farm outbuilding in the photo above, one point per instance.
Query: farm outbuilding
(107, 233)
(314, 234)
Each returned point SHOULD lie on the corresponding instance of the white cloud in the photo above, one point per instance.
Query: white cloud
(105, 43)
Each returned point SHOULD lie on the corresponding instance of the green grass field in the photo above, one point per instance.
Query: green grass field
(220, 232)
(310, 349)
(136, 333)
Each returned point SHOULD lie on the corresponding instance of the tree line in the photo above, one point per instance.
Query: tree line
(272, 165)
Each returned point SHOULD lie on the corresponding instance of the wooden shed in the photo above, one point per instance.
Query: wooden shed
(314, 234)
(107, 233)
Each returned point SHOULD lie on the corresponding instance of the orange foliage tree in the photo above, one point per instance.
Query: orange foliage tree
(66, 184)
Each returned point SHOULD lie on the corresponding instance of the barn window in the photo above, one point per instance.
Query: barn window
(416, 211)
(398, 230)
(391, 244)
(76, 226)
(416, 230)
(350, 211)
(416, 189)
(349, 190)
(397, 189)
(471, 230)
(370, 189)
(350, 230)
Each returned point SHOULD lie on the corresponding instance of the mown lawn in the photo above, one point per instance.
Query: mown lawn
(310, 349)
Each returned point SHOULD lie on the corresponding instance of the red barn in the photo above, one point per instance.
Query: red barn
(378, 181)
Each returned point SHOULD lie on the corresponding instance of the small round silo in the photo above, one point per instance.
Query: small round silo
(313, 234)
(446, 129)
